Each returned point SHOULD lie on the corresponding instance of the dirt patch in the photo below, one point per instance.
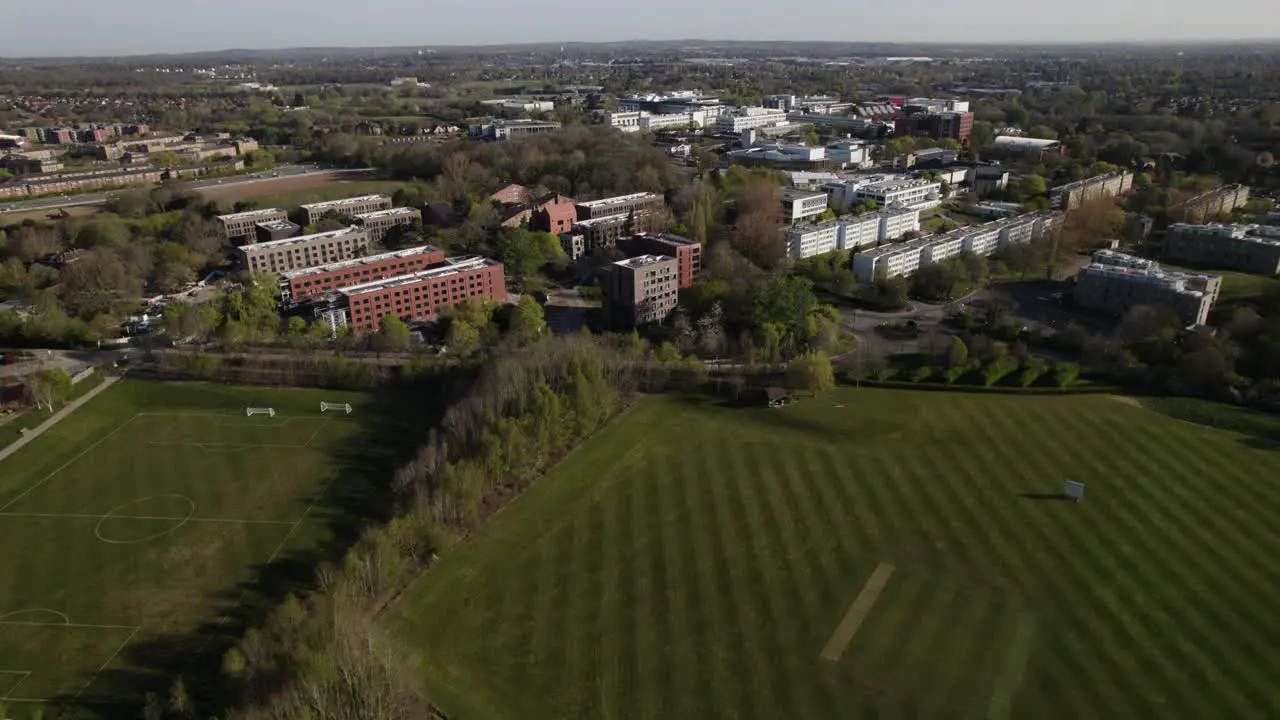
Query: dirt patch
(1126, 400)
(48, 214)
(278, 186)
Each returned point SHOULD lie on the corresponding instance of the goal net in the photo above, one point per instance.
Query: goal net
(337, 407)
(251, 411)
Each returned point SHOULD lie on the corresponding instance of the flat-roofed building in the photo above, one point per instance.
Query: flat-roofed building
(299, 285)
(608, 230)
(619, 205)
(941, 248)
(275, 230)
(982, 240)
(423, 294)
(1074, 194)
(896, 260)
(1250, 248)
(805, 241)
(688, 253)
(1220, 201)
(242, 224)
(346, 207)
(380, 222)
(305, 251)
(859, 231)
(640, 290)
(1114, 283)
(801, 204)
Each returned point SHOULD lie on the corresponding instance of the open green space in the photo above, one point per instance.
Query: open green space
(695, 560)
(289, 199)
(134, 527)
(11, 427)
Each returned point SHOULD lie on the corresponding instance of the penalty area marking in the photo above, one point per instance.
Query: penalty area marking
(1015, 661)
(23, 675)
(858, 612)
(65, 620)
(97, 529)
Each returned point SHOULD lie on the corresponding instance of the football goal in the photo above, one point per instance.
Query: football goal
(337, 407)
(251, 411)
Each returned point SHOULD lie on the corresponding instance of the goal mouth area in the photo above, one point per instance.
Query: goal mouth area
(251, 411)
(335, 407)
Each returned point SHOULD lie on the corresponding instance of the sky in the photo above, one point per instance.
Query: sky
(135, 27)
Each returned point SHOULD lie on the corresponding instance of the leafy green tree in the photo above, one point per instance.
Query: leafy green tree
(812, 371)
(463, 338)
(527, 322)
(958, 354)
(164, 159)
(523, 252)
(393, 335)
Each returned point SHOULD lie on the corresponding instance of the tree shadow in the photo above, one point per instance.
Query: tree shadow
(1044, 496)
(359, 494)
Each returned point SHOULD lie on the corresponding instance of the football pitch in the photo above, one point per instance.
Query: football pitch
(870, 553)
(142, 518)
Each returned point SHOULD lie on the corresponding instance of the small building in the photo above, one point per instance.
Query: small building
(275, 230)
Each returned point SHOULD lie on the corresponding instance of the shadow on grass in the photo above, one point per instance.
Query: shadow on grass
(1044, 496)
(359, 494)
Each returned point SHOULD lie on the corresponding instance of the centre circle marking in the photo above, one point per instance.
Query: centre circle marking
(97, 530)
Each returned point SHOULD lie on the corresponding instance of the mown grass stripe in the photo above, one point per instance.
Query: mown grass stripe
(857, 613)
(1015, 662)
(707, 670)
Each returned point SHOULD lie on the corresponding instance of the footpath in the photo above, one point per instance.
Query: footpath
(71, 407)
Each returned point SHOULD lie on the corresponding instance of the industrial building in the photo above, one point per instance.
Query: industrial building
(346, 207)
(304, 251)
(380, 222)
(241, 224)
(299, 285)
(1114, 282)
(422, 294)
(1249, 248)
(640, 290)
(688, 253)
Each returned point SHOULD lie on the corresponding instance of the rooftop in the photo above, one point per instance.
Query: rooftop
(618, 200)
(278, 225)
(795, 194)
(1024, 143)
(669, 238)
(393, 212)
(642, 260)
(303, 239)
(1091, 180)
(343, 202)
(898, 248)
(359, 262)
(450, 266)
(606, 220)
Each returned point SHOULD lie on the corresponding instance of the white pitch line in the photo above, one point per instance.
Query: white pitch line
(134, 628)
(86, 516)
(67, 464)
(24, 673)
(317, 432)
(108, 662)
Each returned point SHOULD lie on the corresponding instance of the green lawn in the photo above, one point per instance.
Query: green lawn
(11, 428)
(132, 527)
(323, 193)
(693, 561)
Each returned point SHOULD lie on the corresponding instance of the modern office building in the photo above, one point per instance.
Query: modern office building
(1073, 195)
(798, 205)
(746, 118)
(688, 253)
(498, 129)
(274, 230)
(299, 285)
(242, 224)
(1114, 283)
(640, 290)
(859, 231)
(380, 222)
(956, 126)
(620, 205)
(305, 251)
(849, 154)
(1249, 248)
(673, 102)
(808, 240)
(346, 207)
(901, 192)
(855, 125)
(422, 294)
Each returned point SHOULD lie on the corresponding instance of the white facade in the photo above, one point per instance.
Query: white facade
(808, 240)
(915, 194)
(890, 260)
(942, 247)
(798, 205)
(849, 154)
(983, 241)
(624, 121)
(861, 231)
(750, 117)
(898, 221)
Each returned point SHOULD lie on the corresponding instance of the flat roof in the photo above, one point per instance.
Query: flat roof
(796, 194)
(618, 200)
(670, 238)
(389, 213)
(358, 262)
(909, 246)
(640, 261)
(343, 201)
(608, 219)
(1013, 141)
(303, 239)
(250, 214)
(278, 225)
(450, 266)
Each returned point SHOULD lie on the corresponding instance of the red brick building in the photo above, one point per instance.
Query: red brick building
(299, 285)
(555, 215)
(688, 253)
(422, 294)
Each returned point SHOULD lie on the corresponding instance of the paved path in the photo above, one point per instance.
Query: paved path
(71, 407)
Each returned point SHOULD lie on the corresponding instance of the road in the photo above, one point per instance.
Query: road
(275, 174)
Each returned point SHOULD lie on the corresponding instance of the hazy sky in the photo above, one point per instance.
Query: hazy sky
(127, 27)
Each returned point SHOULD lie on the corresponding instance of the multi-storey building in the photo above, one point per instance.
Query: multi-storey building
(668, 103)
(896, 221)
(1114, 283)
(982, 240)
(849, 153)
(619, 205)
(241, 224)
(688, 253)
(940, 125)
(746, 118)
(304, 251)
(299, 285)
(859, 231)
(498, 129)
(800, 204)
(808, 240)
(1073, 195)
(423, 294)
(556, 215)
(897, 260)
(1250, 248)
(1215, 202)
(346, 207)
(608, 230)
(901, 192)
(380, 222)
(640, 290)
(941, 248)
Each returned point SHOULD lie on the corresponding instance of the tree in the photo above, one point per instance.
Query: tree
(527, 321)
(958, 354)
(96, 282)
(260, 159)
(463, 338)
(523, 252)
(164, 159)
(47, 388)
(812, 371)
(393, 335)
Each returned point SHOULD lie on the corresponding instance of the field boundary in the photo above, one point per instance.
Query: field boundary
(858, 611)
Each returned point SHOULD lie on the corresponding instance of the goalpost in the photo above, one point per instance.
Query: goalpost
(343, 407)
(251, 411)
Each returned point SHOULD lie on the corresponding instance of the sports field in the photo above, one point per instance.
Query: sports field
(871, 553)
(140, 519)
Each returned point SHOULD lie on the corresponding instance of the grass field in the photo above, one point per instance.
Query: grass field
(873, 553)
(291, 192)
(139, 521)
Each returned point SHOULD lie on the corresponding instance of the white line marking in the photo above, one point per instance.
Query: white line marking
(317, 432)
(65, 620)
(24, 673)
(67, 464)
(108, 662)
(71, 625)
(858, 611)
(87, 516)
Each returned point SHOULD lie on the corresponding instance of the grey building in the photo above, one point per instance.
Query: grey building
(1250, 248)
(242, 224)
(640, 290)
(275, 230)
(346, 207)
(1114, 282)
(304, 251)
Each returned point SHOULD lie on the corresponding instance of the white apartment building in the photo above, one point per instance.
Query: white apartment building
(798, 204)
(861, 231)
(984, 240)
(910, 193)
(940, 248)
(897, 221)
(746, 118)
(628, 122)
(849, 153)
(890, 260)
(808, 240)
(640, 120)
